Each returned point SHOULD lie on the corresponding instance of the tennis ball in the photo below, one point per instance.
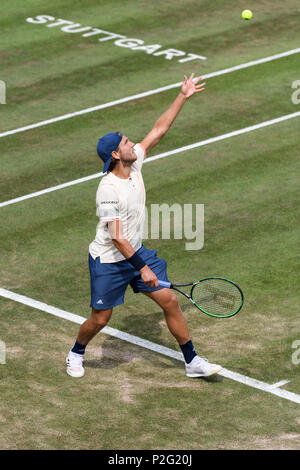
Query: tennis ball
(247, 14)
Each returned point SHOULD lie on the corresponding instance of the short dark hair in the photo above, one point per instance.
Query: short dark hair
(113, 163)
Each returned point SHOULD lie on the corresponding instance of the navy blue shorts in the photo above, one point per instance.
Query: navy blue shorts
(109, 281)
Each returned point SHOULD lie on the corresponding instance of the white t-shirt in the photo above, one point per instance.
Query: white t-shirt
(123, 199)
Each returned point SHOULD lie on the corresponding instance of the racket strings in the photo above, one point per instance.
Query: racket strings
(217, 297)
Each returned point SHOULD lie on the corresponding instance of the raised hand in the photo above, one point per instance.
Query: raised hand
(190, 87)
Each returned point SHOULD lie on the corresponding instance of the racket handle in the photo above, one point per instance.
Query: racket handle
(164, 284)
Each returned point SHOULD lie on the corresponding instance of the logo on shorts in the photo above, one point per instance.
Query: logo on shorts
(99, 301)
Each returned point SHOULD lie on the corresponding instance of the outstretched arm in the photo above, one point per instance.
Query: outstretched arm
(164, 123)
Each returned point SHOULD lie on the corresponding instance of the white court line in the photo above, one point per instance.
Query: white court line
(280, 384)
(148, 93)
(149, 345)
(156, 157)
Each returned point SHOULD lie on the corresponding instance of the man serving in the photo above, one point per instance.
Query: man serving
(117, 256)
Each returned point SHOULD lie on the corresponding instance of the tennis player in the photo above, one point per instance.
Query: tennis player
(117, 256)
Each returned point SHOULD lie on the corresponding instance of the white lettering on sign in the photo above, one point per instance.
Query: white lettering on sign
(170, 53)
(296, 94)
(148, 49)
(40, 19)
(119, 39)
(128, 42)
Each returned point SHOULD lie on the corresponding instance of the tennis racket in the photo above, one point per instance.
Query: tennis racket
(216, 296)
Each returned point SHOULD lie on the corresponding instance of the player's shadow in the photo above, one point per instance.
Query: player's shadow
(114, 352)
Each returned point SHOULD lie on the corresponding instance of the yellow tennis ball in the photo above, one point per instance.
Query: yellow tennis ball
(247, 14)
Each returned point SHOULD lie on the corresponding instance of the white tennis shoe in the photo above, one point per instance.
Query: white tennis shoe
(74, 364)
(200, 367)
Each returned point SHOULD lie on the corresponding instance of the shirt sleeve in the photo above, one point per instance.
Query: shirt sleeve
(141, 155)
(107, 203)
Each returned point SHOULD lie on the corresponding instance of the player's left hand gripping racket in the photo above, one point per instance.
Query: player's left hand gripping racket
(216, 296)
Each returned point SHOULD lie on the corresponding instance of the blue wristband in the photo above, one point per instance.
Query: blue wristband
(136, 261)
